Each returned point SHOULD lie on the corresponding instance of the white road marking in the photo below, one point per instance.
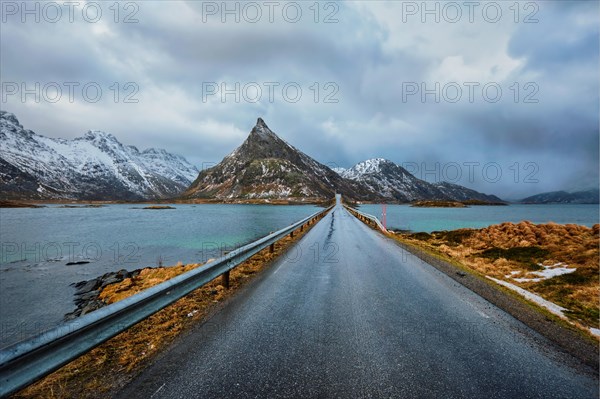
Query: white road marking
(158, 390)
(278, 267)
(483, 314)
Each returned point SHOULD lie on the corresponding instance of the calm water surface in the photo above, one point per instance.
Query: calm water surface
(405, 217)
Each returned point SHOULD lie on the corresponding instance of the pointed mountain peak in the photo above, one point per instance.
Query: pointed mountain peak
(261, 143)
(261, 123)
(262, 130)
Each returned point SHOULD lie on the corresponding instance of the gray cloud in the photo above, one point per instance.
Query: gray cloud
(370, 55)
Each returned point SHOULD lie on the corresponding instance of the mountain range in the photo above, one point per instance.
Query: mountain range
(265, 167)
(590, 196)
(394, 183)
(93, 167)
(98, 167)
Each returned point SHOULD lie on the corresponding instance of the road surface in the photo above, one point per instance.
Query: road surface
(348, 314)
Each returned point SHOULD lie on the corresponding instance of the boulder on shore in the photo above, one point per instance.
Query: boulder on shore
(88, 291)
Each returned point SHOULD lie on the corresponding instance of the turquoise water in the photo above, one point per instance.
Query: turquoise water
(405, 217)
(36, 244)
(134, 237)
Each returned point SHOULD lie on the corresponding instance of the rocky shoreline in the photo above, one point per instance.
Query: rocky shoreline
(88, 291)
(18, 204)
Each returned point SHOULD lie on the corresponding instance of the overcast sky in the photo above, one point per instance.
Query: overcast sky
(495, 97)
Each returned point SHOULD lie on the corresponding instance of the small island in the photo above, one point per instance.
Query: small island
(81, 206)
(453, 204)
(438, 204)
(158, 207)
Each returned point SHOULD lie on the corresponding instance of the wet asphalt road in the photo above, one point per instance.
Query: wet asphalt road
(349, 314)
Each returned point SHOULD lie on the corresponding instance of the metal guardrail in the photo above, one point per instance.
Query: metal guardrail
(27, 361)
(366, 217)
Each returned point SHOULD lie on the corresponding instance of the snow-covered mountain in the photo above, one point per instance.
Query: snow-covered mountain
(265, 166)
(393, 182)
(93, 167)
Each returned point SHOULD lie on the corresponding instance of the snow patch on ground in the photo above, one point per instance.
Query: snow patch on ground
(552, 307)
(558, 269)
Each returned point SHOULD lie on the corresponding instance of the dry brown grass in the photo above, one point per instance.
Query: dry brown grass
(107, 367)
(510, 247)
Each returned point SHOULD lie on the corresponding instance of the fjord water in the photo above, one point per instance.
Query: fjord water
(36, 244)
(405, 217)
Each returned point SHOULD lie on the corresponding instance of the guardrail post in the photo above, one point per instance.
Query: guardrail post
(272, 248)
(292, 234)
(302, 228)
(225, 279)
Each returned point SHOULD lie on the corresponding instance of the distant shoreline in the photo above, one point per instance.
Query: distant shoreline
(99, 203)
(30, 203)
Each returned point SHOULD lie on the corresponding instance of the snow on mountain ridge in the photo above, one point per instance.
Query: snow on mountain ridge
(94, 166)
(97, 135)
(394, 182)
(11, 118)
(366, 167)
